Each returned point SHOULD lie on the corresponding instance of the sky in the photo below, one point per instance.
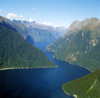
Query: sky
(50, 12)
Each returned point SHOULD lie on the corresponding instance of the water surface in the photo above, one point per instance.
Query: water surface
(39, 82)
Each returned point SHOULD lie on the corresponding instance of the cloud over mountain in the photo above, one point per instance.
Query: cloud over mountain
(13, 16)
(47, 23)
(30, 19)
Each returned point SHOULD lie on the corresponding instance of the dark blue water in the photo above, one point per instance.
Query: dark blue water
(39, 82)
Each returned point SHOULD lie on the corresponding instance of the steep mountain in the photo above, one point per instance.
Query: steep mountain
(74, 28)
(4, 23)
(16, 52)
(80, 45)
(86, 87)
(29, 39)
(91, 59)
(42, 33)
(21, 29)
(60, 30)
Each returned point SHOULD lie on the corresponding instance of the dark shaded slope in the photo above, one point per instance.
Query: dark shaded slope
(15, 52)
(4, 23)
(30, 39)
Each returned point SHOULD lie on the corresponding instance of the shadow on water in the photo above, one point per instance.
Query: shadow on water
(39, 82)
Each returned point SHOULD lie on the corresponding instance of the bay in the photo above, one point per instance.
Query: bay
(39, 82)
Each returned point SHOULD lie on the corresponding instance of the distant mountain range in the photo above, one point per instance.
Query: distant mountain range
(38, 32)
(16, 52)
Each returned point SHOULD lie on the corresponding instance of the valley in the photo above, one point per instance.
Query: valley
(80, 46)
(39, 82)
(49, 48)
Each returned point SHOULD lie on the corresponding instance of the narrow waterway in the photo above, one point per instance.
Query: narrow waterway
(39, 82)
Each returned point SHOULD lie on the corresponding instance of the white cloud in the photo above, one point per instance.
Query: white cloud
(11, 16)
(30, 20)
(0, 11)
(21, 16)
(34, 9)
(55, 26)
(47, 23)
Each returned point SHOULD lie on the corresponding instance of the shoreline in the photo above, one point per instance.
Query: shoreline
(27, 68)
(70, 62)
(80, 66)
(73, 64)
(75, 96)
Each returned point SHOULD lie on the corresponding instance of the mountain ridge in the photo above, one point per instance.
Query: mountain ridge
(16, 52)
(34, 30)
(74, 28)
(80, 44)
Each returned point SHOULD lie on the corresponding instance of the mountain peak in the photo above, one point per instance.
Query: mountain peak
(80, 24)
(4, 22)
(74, 28)
(94, 18)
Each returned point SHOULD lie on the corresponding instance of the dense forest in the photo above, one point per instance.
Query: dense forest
(16, 52)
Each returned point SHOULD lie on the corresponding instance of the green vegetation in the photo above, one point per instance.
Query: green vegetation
(79, 48)
(80, 45)
(4, 23)
(86, 87)
(15, 52)
(83, 49)
(74, 28)
(92, 59)
(53, 47)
